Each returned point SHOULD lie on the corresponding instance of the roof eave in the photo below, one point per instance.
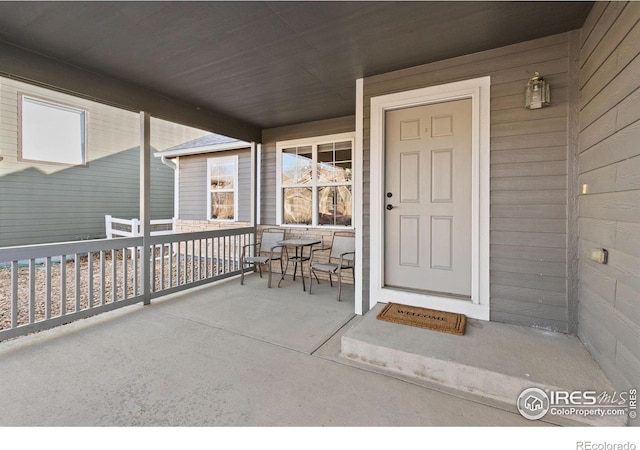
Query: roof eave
(204, 149)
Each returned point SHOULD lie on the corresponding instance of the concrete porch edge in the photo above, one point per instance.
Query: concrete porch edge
(492, 364)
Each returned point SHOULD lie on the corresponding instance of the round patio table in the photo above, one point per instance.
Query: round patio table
(299, 245)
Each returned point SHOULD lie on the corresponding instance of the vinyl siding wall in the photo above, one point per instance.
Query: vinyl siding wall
(609, 166)
(193, 185)
(529, 276)
(42, 202)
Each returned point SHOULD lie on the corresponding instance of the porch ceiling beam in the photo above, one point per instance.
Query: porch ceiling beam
(57, 75)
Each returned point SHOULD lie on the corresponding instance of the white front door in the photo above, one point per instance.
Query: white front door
(428, 208)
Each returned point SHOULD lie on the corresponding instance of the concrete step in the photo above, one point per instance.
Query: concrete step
(492, 363)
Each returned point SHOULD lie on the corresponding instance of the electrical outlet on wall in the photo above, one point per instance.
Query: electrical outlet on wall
(599, 255)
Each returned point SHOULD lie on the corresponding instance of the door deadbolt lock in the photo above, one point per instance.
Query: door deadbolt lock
(389, 194)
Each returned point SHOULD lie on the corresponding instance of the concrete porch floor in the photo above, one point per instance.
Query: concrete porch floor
(223, 355)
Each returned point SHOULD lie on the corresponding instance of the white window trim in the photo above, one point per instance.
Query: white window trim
(58, 105)
(234, 159)
(314, 142)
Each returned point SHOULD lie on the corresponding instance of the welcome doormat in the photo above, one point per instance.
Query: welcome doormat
(431, 319)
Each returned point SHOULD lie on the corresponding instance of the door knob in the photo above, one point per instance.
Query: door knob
(390, 207)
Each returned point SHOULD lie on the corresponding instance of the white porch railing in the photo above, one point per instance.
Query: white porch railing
(52, 284)
(115, 227)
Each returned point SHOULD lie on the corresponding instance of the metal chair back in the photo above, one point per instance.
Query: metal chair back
(343, 242)
(270, 238)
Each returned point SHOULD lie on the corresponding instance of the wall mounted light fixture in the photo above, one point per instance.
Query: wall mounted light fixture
(537, 93)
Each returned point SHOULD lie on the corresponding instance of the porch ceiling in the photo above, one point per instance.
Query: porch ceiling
(271, 63)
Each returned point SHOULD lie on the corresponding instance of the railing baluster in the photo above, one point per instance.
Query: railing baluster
(236, 256)
(235, 252)
(206, 258)
(77, 275)
(227, 254)
(63, 285)
(153, 268)
(136, 280)
(32, 290)
(125, 274)
(48, 284)
(218, 259)
(114, 273)
(90, 280)
(193, 258)
(232, 253)
(14, 294)
(212, 257)
(162, 246)
(171, 265)
(224, 254)
(103, 279)
(192, 270)
(184, 268)
(199, 259)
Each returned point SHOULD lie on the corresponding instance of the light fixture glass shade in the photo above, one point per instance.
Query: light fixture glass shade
(537, 93)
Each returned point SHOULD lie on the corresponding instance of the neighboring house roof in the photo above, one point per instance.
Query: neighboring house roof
(205, 144)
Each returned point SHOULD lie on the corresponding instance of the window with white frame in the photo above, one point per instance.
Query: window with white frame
(52, 132)
(223, 188)
(315, 181)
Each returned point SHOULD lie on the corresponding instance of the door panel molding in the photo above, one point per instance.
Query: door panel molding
(409, 177)
(478, 91)
(442, 175)
(409, 255)
(441, 242)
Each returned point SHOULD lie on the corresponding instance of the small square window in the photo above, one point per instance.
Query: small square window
(51, 132)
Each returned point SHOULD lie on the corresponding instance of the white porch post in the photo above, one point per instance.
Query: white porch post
(145, 200)
(258, 183)
(361, 301)
(254, 184)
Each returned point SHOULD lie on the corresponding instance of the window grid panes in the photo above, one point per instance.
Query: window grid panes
(298, 203)
(334, 205)
(297, 165)
(316, 184)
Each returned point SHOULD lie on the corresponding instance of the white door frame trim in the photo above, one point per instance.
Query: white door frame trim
(478, 90)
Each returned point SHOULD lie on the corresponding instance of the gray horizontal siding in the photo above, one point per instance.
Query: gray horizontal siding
(269, 163)
(529, 170)
(41, 202)
(193, 189)
(609, 212)
(70, 204)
